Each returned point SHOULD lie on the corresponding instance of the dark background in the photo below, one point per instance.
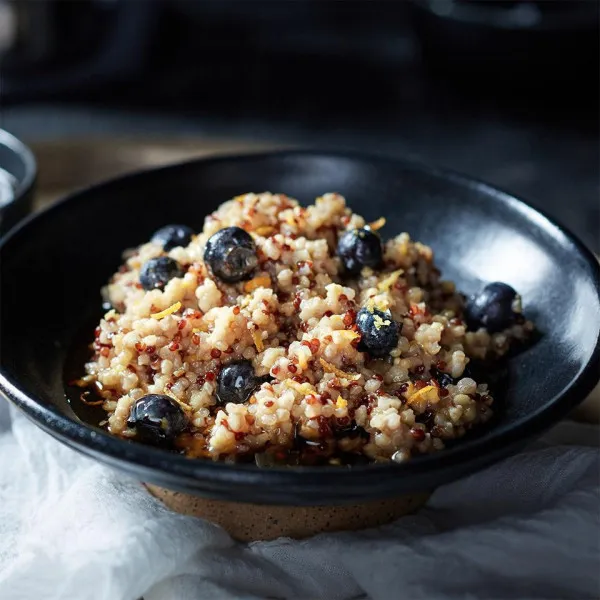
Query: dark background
(503, 91)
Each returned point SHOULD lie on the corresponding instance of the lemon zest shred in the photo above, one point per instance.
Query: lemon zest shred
(302, 388)
(168, 311)
(257, 282)
(410, 390)
(258, 342)
(341, 403)
(372, 305)
(428, 394)
(329, 368)
(83, 382)
(378, 224)
(265, 230)
(347, 334)
(379, 322)
(385, 284)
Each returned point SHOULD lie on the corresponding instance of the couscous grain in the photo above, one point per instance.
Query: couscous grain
(277, 345)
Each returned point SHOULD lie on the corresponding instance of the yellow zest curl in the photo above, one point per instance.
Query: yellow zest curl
(375, 225)
(265, 230)
(302, 388)
(257, 282)
(329, 368)
(428, 394)
(258, 342)
(341, 403)
(168, 311)
(389, 281)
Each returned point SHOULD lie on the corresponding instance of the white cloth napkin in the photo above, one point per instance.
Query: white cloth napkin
(71, 529)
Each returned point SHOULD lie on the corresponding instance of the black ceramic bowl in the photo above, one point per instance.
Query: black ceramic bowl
(53, 265)
(17, 180)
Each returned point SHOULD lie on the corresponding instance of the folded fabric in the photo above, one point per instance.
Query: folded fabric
(527, 527)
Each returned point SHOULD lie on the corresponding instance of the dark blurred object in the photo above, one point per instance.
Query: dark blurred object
(298, 59)
(56, 47)
(17, 180)
(547, 50)
(326, 74)
(206, 54)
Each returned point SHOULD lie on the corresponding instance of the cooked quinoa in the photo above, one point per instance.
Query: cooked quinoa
(318, 397)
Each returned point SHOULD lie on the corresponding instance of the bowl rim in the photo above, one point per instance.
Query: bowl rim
(94, 441)
(26, 155)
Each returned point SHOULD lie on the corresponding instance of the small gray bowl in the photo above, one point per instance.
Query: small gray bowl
(18, 171)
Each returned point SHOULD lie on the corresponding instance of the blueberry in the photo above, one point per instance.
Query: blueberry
(231, 254)
(352, 431)
(444, 379)
(236, 382)
(359, 248)
(172, 236)
(379, 332)
(157, 419)
(491, 308)
(157, 272)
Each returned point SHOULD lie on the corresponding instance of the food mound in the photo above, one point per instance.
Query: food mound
(284, 334)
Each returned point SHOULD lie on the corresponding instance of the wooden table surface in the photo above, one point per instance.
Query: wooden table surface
(67, 165)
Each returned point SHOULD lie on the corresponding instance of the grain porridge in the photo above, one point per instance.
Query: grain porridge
(290, 334)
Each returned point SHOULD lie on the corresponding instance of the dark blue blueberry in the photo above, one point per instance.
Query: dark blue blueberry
(444, 379)
(172, 236)
(427, 418)
(157, 419)
(360, 248)
(157, 272)
(236, 382)
(231, 254)
(352, 431)
(491, 308)
(379, 332)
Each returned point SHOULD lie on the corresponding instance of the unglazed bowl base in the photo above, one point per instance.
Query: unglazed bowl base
(253, 522)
